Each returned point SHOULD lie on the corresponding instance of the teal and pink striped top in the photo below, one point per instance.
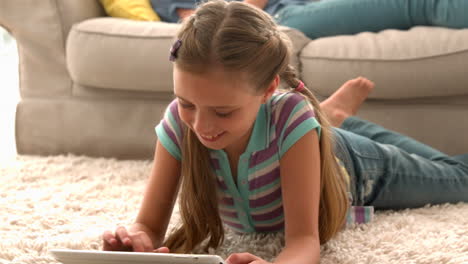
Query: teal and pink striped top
(254, 202)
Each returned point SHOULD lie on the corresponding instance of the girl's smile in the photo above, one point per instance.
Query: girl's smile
(211, 138)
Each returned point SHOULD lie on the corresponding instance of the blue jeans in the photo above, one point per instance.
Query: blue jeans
(344, 17)
(391, 171)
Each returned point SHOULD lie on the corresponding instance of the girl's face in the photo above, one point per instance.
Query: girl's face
(219, 107)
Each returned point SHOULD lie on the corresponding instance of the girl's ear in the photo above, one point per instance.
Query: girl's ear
(271, 89)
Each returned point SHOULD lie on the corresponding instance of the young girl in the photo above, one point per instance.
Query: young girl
(256, 158)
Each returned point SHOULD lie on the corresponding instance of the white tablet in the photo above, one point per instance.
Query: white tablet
(68, 256)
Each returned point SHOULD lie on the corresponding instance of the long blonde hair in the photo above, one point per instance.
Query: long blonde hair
(241, 38)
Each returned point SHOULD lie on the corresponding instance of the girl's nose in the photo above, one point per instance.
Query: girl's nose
(202, 123)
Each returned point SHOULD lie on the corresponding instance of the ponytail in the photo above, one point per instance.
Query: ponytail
(333, 199)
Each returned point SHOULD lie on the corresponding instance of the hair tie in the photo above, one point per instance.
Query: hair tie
(174, 49)
(299, 87)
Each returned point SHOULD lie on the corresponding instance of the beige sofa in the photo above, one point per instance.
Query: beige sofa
(97, 86)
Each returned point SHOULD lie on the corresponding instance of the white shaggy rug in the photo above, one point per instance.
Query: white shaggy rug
(68, 201)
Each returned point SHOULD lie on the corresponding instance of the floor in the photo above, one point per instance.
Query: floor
(9, 94)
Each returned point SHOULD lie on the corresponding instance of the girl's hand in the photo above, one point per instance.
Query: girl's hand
(124, 240)
(245, 258)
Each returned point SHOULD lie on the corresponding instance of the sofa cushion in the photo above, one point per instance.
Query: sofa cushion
(122, 54)
(113, 53)
(421, 62)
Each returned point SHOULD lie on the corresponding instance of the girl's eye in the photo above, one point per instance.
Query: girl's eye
(191, 107)
(223, 115)
(186, 106)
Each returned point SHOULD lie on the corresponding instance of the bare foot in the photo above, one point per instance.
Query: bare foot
(346, 100)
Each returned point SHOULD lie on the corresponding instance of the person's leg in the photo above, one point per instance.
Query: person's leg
(379, 134)
(388, 177)
(345, 17)
(462, 158)
(445, 13)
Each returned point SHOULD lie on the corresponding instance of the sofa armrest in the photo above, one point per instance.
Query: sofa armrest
(41, 29)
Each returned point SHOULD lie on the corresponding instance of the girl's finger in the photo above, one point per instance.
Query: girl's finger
(146, 241)
(137, 244)
(241, 258)
(162, 250)
(141, 242)
(109, 240)
(123, 236)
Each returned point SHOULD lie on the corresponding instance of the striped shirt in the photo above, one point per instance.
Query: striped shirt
(254, 202)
